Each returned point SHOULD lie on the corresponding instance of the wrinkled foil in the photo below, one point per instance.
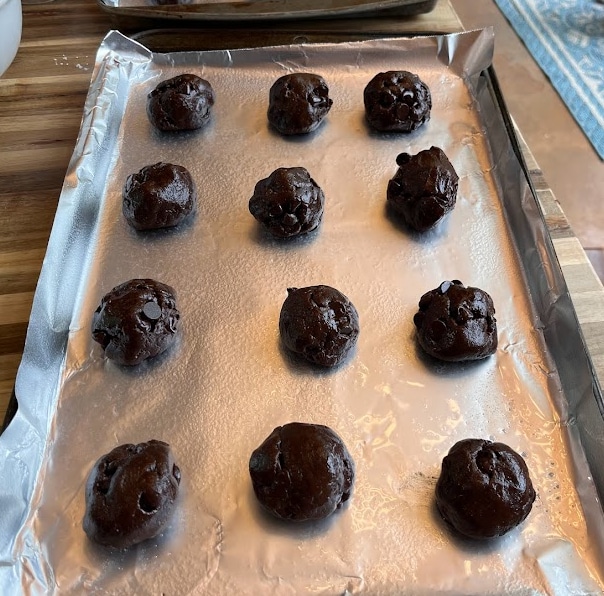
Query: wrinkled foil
(227, 383)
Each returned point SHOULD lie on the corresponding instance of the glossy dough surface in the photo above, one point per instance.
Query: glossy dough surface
(130, 494)
(183, 102)
(484, 489)
(136, 320)
(319, 323)
(456, 323)
(397, 101)
(288, 203)
(161, 195)
(302, 472)
(424, 188)
(298, 103)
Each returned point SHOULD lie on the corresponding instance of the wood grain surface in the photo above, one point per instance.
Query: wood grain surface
(41, 99)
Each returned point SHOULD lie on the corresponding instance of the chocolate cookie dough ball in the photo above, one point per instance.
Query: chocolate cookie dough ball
(159, 196)
(397, 101)
(424, 188)
(181, 103)
(288, 203)
(136, 320)
(130, 494)
(319, 323)
(298, 103)
(302, 472)
(456, 323)
(484, 489)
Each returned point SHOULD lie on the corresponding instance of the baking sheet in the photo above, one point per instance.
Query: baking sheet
(252, 10)
(228, 383)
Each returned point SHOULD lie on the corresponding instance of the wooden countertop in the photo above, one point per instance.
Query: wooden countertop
(41, 100)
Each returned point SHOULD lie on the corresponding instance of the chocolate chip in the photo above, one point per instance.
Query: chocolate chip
(152, 310)
(445, 286)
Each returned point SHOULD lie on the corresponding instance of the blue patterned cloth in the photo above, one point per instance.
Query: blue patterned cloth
(566, 38)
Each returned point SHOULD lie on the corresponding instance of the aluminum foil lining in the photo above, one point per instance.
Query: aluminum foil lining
(228, 382)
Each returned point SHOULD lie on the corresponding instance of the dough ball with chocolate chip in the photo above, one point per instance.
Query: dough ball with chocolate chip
(130, 494)
(136, 320)
(181, 103)
(302, 472)
(397, 101)
(298, 103)
(158, 196)
(424, 189)
(484, 489)
(319, 323)
(288, 203)
(456, 323)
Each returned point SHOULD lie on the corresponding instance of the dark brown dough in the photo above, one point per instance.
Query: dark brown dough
(158, 196)
(298, 103)
(302, 472)
(424, 188)
(168, 2)
(397, 101)
(130, 494)
(484, 489)
(136, 320)
(181, 103)
(456, 323)
(288, 203)
(319, 323)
